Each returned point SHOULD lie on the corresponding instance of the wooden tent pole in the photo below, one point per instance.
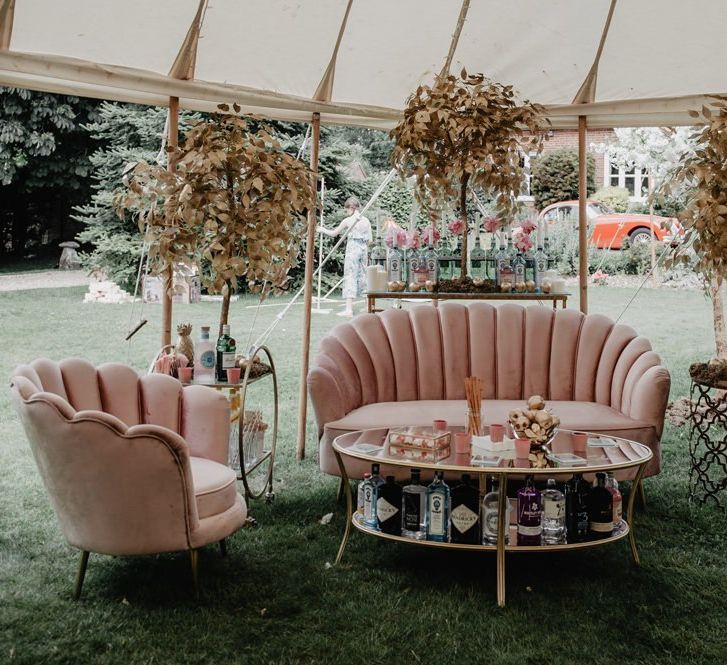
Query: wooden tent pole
(169, 271)
(308, 293)
(582, 214)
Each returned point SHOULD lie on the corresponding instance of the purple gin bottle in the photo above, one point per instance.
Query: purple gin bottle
(529, 512)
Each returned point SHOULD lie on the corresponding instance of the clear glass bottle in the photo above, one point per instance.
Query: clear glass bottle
(600, 509)
(204, 357)
(378, 254)
(226, 354)
(529, 514)
(503, 262)
(612, 486)
(518, 269)
(464, 516)
(540, 265)
(490, 508)
(478, 258)
(438, 509)
(394, 262)
(388, 507)
(414, 508)
(576, 509)
(360, 497)
(553, 514)
(370, 492)
(432, 261)
(418, 272)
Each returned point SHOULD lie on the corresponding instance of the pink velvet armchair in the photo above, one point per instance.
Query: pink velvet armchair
(132, 465)
(405, 367)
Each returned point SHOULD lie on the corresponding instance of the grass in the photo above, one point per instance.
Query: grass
(275, 599)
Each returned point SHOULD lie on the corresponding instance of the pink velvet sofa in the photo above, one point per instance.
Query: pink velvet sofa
(132, 465)
(406, 367)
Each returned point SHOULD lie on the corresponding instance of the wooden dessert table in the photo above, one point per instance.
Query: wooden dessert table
(436, 296)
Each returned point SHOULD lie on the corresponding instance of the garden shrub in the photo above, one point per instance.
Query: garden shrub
(555, 177)
(616, 198)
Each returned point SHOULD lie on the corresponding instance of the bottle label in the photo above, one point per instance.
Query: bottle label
(519, 272)
(617, 509)
(490, 525)
(463, 519)
(436, 515)
(601, 527)
(553, 510)
(368, 503)
(207, 359)
(412, 511)
(432, 269)
(384, 510)
(529, 530)
(228, 359)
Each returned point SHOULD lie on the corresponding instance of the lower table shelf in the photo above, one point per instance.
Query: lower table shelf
(620, 532)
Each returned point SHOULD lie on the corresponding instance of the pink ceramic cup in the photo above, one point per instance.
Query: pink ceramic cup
(440, 425)
(580, 441)
(497, 432)
(522, 448)
(462, 442)
(184, 374)
(233, 375)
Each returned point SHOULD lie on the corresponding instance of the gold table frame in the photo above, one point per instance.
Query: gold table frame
(623, 529)
(435, 296)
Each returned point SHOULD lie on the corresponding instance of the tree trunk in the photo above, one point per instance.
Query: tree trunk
(225, 311)
(715, 291)
(465, 230)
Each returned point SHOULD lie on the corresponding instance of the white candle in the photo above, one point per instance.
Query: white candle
(372, 278)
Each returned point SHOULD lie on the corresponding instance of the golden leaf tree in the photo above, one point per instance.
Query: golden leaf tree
(236, 199)
(466, 131)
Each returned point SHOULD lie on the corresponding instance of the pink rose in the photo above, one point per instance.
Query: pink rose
(522, 241)
(491, 224)
(413, 241)
(430, 235)
(528, 226)
(456, 226)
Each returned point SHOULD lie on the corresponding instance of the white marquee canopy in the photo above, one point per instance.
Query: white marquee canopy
(356, 61)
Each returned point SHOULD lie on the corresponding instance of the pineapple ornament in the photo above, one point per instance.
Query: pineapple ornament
(185, 346)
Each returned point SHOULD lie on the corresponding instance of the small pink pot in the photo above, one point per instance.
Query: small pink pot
(462, 443)
(185, 374)
(439, 425)
(497, 432)
(522, 448)
(580, 441)
(233, 375)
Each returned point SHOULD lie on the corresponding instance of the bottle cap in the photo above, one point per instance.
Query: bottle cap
(390, 480)
(551, 482)
(466, 478)
(204, 328)
(226, 329)
(375, 469)
(416, 473)
(367, 475)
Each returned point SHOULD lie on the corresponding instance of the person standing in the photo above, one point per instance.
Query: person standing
(357, 242)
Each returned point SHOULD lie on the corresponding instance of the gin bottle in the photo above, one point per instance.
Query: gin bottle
(204, 358)
(553, 515)
(378, 254)
(414, 507)
(529, 509)
(432, 261)
(490, 509)
(478, 258)
(503, 262)
(360, 498)
(518, 268)
(600, 509)
(438, 509)
(576, 509)
(464, 517)
(388, 507)
(394, 262)
(418, 267)
(370, 491)
(612, 487)
(540, 265)
(226, 352)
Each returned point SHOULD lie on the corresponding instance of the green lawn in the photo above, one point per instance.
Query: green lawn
(275, 598)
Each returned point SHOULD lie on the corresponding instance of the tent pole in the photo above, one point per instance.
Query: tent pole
(308, 293)
(582, 218)
(169, 270)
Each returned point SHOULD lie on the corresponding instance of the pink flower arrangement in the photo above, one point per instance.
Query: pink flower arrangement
(491, 224)
(413, 240)
(600, 277)
(456, 226)
(522, 241)
(430, 234)
(528, 226)
(401, 238)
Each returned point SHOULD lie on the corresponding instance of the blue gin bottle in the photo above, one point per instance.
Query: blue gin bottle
(438, 510)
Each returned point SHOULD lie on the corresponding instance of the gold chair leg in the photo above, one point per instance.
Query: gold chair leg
(194, 559)
(341, 491)
(642, 494)
(81, 574)
(223, 547)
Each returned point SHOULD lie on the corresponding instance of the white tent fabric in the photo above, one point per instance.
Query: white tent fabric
(660, 58)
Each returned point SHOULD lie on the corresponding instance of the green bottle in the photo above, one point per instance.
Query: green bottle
(226, 352)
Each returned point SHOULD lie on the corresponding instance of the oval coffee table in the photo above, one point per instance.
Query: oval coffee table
(604, 453)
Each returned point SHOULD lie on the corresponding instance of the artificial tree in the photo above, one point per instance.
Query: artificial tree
(466, 131)
(236, 200)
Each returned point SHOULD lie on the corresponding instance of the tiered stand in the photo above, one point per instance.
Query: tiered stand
(624, 455)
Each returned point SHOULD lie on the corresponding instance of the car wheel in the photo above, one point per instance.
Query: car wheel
(639, 236)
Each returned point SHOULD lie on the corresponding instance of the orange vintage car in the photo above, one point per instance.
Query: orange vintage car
(608, 229)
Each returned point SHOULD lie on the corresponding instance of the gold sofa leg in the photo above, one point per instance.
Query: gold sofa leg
(81, 574)
(194, 559)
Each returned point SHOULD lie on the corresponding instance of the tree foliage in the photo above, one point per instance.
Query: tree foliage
(555, 177)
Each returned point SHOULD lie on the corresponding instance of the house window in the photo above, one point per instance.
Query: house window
(633, 179)
(526, 193)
